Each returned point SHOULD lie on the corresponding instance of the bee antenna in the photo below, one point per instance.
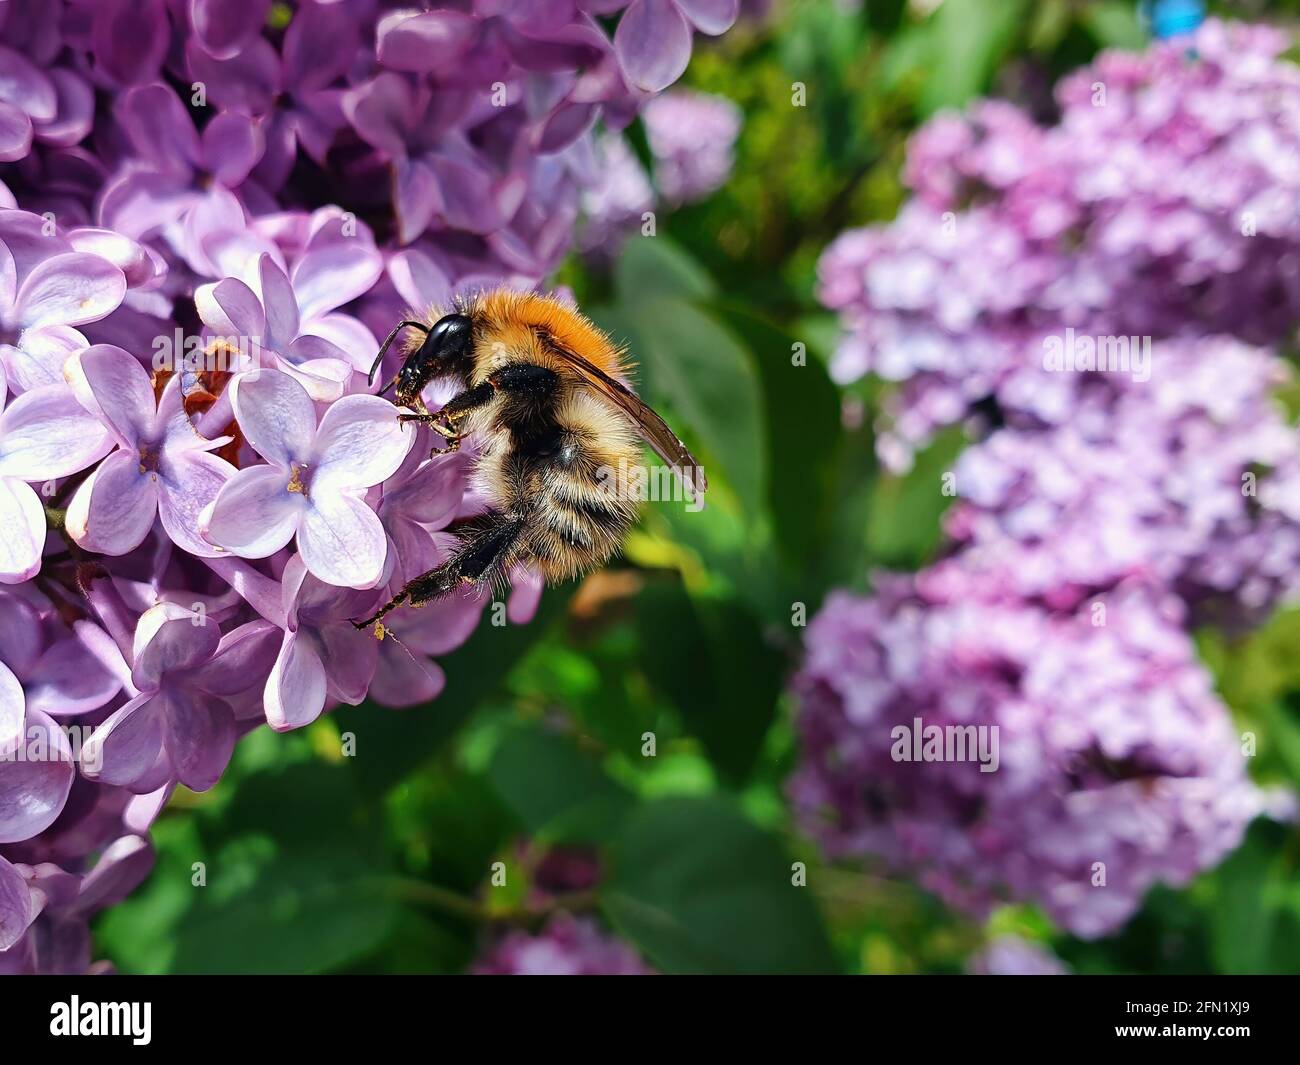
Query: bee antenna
(383, 349)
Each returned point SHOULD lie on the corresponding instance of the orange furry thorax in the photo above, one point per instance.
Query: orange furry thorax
(506, 327)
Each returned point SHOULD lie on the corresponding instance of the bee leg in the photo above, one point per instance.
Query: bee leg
(480, 557)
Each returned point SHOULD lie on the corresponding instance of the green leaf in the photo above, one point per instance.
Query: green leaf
(970, 38)
(391, 743)
(701, 889)
(904, 519)
(291, 879)
(1115, 24)
(656, 266)
(697, 648)
(1242, 920)
(708, 382)
(556, 791)
(802, 411)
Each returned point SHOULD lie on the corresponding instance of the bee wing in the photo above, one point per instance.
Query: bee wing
(653, 428)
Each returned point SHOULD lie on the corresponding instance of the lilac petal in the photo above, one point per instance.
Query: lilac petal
(15, 133)
(381, 111)
(126, 747)
(404, 680)
(324, 380)
(130, 38)
(416, 197)
(445, 625)
(25, 87)
(7, 200)
(126, 254)
(419, 280)
(319, 44)
(348, 336)
(525, 595)
(25, 237)
(22, 532)
(653, 43)
(254, 514)
(139, 202)
(120, 389)
(352, 657)
(33, 791)
(114, 509)
(8, 275)
(168, 640)
(13, 712)
(565, 126)
(359, 443)
(275, 414)
(711, 16)
(123, 864)
(160, 128)
(69, 680)
(200, 736)
(46, 434)
(247, 82)
(244, 656)
(43, 355)
(230, 309)
(191, 483)
(215, 240)
(430, 41)
(21, 637)
(280, 302)
(468, 195)
(76, 111)
(232, 145)
(295, 690)
(342, 541)
(334, 275)
(433, 493)
(411, 548)
(224, 27)
(17, 910)
(70, 289)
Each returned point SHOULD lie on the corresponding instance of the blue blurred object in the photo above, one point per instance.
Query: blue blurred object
(1172, 18)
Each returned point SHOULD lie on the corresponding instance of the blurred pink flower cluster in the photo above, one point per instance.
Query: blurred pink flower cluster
(1087, 299)
(208, 211)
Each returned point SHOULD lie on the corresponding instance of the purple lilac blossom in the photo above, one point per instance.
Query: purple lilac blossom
(1161, 204)
(1013, 956)
(1101, 512)
(691, 136)
(567, 946)
(1112, 747)
(206, 217)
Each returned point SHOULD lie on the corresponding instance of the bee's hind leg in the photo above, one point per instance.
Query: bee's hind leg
(481, 556)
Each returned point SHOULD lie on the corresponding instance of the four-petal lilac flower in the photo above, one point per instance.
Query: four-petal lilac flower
(314, 479)
(172, 729)
(162, 467)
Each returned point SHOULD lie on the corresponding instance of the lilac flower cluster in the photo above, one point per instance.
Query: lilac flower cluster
(207, 213)
(1161, 204)
(691, 136)
(1103, 509)
(566, 946)
(1116, 766)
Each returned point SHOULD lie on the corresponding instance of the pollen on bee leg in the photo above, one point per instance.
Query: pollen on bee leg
(381, 631)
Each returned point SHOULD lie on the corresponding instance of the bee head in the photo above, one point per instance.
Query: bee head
(445, 350)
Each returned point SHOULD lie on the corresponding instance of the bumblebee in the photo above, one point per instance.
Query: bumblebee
(543, 395)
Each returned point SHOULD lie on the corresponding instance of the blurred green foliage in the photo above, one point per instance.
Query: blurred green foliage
(380, 861)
